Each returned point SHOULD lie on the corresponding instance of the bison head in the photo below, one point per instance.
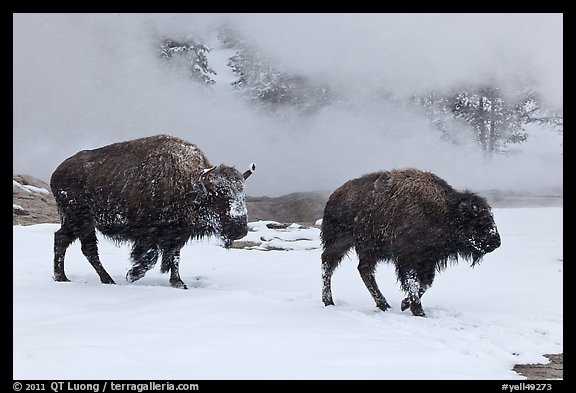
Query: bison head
(224, 201)
(476, 230)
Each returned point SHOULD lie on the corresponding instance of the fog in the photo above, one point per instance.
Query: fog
(85, 80)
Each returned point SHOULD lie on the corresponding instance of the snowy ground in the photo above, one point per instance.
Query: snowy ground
(252, 314)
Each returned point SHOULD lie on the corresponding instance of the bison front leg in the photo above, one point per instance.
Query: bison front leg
(171, 261)
(415, 285)
(367, 269)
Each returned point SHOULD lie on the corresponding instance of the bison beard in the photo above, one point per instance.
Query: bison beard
(156, 193)
(411, 218)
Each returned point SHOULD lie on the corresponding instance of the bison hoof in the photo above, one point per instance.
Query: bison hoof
(405, 304)
(134, 275)
(417, 310)
(415, 307)
(107, 280)
(178, 284)
(383, 307)
(61, 278)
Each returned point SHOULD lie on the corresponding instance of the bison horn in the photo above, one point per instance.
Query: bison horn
(205, 172)
(250, 170)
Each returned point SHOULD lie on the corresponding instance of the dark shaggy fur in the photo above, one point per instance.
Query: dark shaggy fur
(411, 218)
(156, 193)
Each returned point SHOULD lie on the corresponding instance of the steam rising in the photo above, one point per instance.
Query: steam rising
(83, 81)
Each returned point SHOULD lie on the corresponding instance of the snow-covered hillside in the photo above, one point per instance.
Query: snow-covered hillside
(253, 314)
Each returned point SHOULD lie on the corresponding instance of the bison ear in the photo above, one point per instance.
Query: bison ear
(200, 189)
(464, 208)
(201, 185)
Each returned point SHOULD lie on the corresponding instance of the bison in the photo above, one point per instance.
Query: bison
(155, 193)
(409, 217)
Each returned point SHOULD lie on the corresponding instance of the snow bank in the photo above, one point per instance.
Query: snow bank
(30, 188)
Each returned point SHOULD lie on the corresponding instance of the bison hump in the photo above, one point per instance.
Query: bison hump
(414, 192)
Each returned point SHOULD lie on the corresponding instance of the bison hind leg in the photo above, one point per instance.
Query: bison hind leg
(89, 248)
(328, 267)
(333, 253)
(62, 239)
(144, 257)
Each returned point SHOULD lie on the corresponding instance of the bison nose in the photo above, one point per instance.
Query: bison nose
(494, 242)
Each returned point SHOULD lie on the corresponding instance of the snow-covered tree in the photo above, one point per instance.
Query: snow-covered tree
(260, 80)
(191, 55)
(497, 120)
(538, 113)
(437, 107)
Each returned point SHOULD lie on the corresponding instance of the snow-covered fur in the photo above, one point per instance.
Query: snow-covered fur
(156, 193)
(409, 217)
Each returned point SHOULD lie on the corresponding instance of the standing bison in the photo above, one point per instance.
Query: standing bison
(156, 193)
(411, 218)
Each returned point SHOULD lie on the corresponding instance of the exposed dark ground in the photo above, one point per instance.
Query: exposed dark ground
(552, 370)
(31, 207)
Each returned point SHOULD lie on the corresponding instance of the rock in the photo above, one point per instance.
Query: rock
(241, 244)
(277, 225)
(32, 202)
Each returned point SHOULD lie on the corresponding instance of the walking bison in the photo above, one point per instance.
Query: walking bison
(411, 218)
(156, 193)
